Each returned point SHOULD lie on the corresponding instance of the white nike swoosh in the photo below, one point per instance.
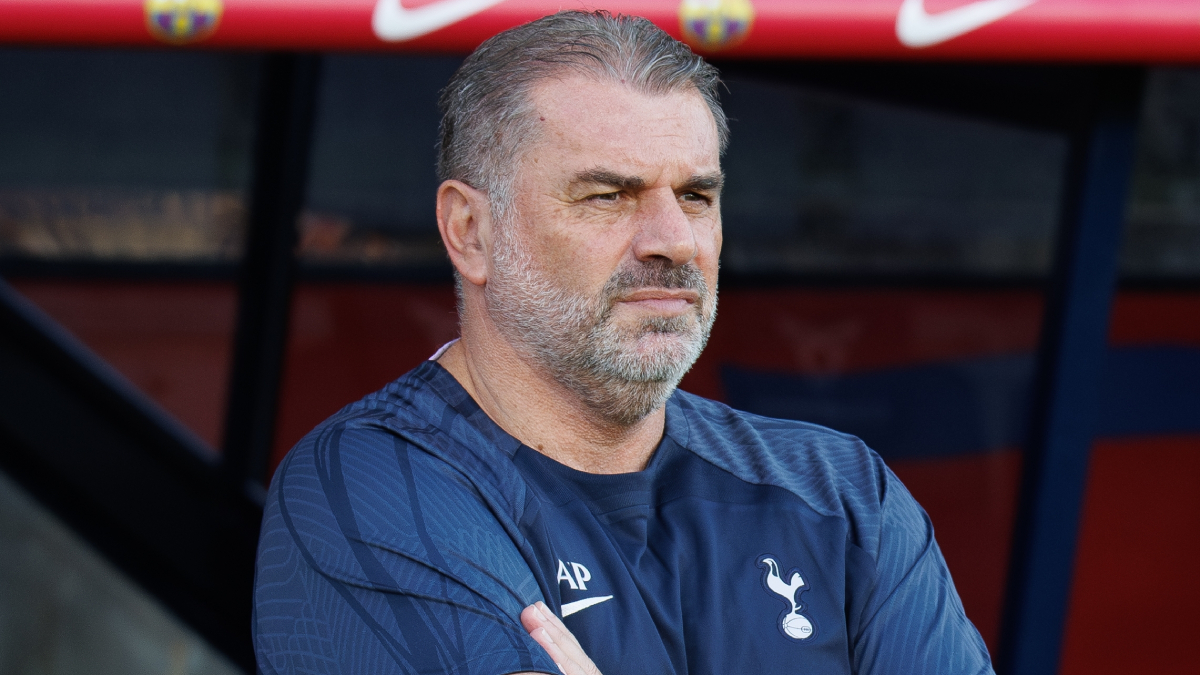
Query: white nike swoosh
(571, 607)
(917, 28)
(393, 22)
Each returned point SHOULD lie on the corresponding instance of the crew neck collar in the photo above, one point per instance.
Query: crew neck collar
(449, 389)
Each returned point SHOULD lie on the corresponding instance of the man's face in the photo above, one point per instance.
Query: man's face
(605, 268)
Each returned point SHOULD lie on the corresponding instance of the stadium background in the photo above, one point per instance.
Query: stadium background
(895, 226)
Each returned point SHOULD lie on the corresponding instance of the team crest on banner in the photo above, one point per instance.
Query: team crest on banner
(182, 21)
(715, 24)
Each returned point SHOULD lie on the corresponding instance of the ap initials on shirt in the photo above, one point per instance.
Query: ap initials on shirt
(577, 577)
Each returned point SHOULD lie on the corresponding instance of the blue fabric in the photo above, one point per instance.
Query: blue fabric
(406, 534)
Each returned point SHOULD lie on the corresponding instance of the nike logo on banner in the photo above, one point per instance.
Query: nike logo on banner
(392, 21)
(917, 28)
(570, 608)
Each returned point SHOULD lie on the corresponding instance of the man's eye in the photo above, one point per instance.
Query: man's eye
(695, 197)
(606, 197)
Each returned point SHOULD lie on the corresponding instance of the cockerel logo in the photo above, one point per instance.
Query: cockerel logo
(792, 623)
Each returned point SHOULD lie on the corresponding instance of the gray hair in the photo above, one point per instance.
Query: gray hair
(486, 111)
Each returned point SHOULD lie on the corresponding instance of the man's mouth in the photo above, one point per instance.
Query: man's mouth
(662, 301)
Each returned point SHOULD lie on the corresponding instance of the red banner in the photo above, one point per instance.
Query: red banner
(1007, 30)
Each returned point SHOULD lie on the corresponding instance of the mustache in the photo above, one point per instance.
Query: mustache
(655, 274)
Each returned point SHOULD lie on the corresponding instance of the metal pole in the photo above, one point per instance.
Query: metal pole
(1071, 359)
(288, 92)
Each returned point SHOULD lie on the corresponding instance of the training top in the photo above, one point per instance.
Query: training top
(406, 533)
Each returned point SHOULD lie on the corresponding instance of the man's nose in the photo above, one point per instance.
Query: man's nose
(664, 230)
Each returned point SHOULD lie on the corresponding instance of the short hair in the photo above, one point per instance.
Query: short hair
(486, 109)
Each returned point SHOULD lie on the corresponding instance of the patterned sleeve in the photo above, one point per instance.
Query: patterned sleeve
(376, 558)
(912, 620)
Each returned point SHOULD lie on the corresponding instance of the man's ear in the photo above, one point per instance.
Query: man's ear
(465, 221)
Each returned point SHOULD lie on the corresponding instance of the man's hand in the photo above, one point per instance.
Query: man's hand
(550, 632)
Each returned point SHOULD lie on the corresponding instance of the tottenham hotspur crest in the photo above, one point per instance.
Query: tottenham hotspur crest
(792, 623)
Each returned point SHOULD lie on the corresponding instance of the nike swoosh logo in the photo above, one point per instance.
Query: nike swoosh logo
(571, 607)
(393, 22)
(917, 28)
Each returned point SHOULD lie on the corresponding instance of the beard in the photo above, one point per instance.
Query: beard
(621, 372)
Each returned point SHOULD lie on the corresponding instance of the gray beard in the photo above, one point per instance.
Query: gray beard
(621, 373)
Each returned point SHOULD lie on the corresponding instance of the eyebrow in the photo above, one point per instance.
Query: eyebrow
(612, 178)
(710, 182)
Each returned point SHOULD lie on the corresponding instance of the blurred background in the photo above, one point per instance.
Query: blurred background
(179, 309)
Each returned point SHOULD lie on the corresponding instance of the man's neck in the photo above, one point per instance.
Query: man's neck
(543, 414)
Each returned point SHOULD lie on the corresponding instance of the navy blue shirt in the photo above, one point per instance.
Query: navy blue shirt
(406, 533)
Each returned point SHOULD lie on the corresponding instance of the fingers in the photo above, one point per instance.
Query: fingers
(542, 637)
(552, 634)
(557, 623)
(537, 619)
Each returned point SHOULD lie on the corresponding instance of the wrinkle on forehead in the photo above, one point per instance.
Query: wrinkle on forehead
(616, 127)
(561, 104)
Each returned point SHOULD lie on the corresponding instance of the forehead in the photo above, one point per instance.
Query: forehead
(584, 120)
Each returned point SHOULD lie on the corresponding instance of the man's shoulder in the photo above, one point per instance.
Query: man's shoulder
(412, 400)
(366, 431)
(374, 471)
(835, 473)
(380, 498)
(424, 408)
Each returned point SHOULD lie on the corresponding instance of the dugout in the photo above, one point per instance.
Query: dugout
(968, 232)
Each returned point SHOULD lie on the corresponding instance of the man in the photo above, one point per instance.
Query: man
(538, 497)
